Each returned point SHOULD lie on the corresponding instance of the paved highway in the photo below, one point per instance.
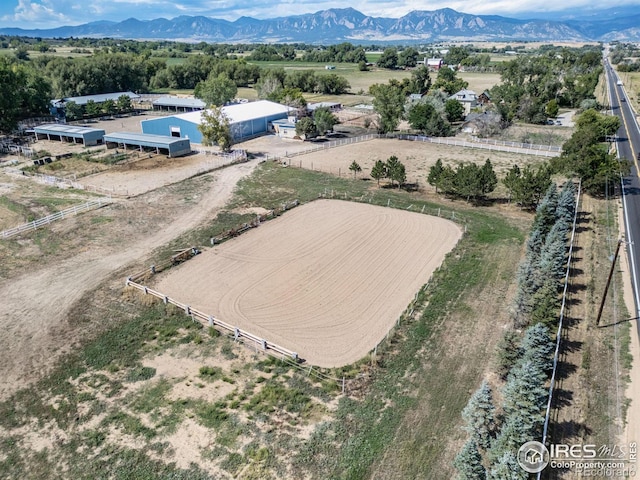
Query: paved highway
(628, 145)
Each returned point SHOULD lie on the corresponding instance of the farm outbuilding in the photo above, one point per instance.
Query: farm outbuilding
(331, 106)
(57, 107)
(69, 133)
(247, 120)
(160, 144)
(178, 104)
(284, 128)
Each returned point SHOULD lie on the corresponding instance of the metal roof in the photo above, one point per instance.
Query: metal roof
(103, 97)
(64, 129)
(171, 101)
(314, 106)
(242, 112)
(144, 139)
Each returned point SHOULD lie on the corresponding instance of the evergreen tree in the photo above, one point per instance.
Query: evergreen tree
(552, 257)
(447, 181)
(511, 180)
(525, 396)
(434, 174)
(537, 346)
(507, 468)
(531, 185)
(512, 435)
(468, 462)
(468, 181)
(488, 178)
(546, 211)
(479, 416)
(508, 352)
(546, 304)
(535, 243)
(355, 168)
(379, 171)
(567, 202)
(396, 170)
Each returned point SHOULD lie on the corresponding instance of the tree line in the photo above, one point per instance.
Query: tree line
(524, 362)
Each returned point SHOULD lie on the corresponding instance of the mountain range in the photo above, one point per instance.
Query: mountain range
(349, 25)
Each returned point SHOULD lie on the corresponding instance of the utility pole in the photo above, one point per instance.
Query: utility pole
(606, 287)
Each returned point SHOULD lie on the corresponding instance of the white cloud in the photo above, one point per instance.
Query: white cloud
(36, 14)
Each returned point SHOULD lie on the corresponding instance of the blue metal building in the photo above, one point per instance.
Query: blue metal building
(247, 120)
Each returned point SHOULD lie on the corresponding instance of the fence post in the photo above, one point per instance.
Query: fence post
(343, 385)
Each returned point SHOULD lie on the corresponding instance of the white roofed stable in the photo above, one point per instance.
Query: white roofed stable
(165, 145)
(178, 104)
(98, 98)
(69, 133)
(247, 120)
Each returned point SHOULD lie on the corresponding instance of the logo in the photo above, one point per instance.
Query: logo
(533, 457)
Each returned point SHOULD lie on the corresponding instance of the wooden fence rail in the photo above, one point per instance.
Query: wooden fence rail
(211, 321)
(41, 222)
(202, 317)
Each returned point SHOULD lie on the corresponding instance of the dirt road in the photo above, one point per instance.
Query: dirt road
(35, 306)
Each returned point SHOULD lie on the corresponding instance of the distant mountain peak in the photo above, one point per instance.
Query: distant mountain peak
(337, 25)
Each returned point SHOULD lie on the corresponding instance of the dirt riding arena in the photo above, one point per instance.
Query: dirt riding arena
(326, 280)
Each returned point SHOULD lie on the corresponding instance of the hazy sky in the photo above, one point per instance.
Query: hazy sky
(53, 13)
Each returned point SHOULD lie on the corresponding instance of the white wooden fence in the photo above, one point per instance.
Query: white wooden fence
(514, 147)
(210, 320)
(41, 222)
(524, 148)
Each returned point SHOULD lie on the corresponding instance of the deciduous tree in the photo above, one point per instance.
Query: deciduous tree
(389, 58)
(215, 129)
(388, 102)
(216, 90)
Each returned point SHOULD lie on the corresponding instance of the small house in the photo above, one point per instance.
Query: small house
(467, 98)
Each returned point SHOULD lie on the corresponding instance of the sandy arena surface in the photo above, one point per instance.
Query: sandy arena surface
(148, 174)
(326, 280)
